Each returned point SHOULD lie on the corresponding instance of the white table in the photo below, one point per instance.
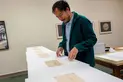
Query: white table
(112, 60)
(39, 72)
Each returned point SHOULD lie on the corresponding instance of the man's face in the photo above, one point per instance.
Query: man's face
(62, 15)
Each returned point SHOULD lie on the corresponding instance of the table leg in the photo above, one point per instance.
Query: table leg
(116, 72)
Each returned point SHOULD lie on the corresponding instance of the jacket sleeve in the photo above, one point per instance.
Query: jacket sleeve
(88, 34)
(63, 42)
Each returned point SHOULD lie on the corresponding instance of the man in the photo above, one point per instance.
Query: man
(78, 35)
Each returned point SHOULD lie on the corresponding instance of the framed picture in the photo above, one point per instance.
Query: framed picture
(3, 36)
(59, 30)
(105, 27)
(93, 25)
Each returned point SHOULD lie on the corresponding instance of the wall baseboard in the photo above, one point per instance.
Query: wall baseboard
(13, 74)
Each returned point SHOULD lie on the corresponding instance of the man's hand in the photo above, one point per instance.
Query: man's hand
(73, 53)
(59, 51)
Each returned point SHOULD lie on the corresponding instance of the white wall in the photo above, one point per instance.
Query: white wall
(31, 23)
(100, 10)
(28, 23)
(121, 5)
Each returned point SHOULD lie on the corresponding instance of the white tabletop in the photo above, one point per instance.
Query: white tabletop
(38, 71)
(115, 56)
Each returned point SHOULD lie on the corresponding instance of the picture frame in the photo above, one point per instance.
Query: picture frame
(93, 25)
(59, 30)
(3, 36)
(105, 27)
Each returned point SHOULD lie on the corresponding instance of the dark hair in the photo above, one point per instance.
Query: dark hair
(61, 5)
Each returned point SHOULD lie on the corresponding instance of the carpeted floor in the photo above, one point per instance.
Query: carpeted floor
(19, 78)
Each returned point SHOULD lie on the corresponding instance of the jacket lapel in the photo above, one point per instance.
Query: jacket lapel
(76, 16)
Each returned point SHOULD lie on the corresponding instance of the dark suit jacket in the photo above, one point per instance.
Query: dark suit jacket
(82, 37)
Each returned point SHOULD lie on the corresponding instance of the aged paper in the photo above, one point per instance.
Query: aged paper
(53, 63)
(69, 78)
(41, 54)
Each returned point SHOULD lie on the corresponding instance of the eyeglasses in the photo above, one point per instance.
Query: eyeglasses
(61, 14)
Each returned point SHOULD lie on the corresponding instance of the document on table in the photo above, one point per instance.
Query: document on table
(69, 78)
(117, 56)
(41, 51)
(41, 54)
(53, 63)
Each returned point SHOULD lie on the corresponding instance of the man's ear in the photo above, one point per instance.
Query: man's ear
(67, 9)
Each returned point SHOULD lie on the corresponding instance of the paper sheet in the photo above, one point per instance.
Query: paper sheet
(41, 51)
(52, 63)
(38, 48)
(41, 54)
(117, 56)
(69, 78)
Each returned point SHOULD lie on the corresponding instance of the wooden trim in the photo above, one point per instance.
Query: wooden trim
(13, 74)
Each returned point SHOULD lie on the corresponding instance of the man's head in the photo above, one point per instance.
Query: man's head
(62, 11)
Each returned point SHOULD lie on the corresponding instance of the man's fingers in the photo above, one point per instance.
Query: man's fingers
(58, 53)
(71, 56)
